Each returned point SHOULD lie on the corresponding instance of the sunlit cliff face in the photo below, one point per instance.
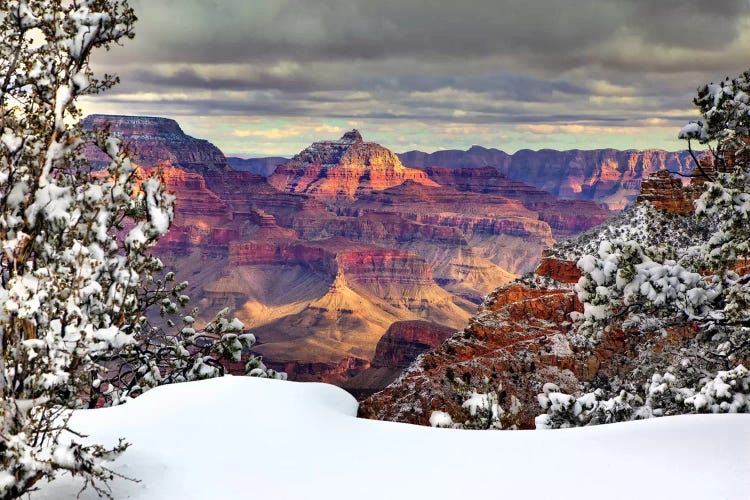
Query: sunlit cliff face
(346, 167)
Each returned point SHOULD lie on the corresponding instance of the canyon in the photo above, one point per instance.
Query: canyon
(343, 262)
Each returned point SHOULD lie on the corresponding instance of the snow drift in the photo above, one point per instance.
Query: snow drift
(242, 437)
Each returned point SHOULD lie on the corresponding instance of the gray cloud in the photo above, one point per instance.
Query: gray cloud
(481, 62)
(258, 30)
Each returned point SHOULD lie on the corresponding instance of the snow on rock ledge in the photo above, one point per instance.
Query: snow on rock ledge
(240, 437)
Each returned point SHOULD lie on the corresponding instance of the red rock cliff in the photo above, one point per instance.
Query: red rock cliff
(518, 341)
(345, 168)
(157, 140)
(669, 193)
(405, 340)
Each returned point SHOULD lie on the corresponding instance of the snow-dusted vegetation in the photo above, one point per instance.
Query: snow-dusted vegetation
(649, 271)
(77, 280)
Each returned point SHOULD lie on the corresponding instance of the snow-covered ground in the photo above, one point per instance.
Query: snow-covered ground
(241, 437)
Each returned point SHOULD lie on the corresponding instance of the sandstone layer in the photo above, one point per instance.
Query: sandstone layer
(565, 217)
(669, 193)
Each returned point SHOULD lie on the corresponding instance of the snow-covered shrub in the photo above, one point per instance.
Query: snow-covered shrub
(564, 410)
(485, 411)
(723, 210)
(441, 419)
(485, 405)
(622, 281)
(727, 392)
(665, 394)
(158, 357)
(725, 107)
(76, 275)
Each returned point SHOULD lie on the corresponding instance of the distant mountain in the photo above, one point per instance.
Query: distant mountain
(475, 156)
(158, 140)
(260, 166)
(606, 176)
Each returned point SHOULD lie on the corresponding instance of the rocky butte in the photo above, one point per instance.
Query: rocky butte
(343, 244)
(156, 140)
(347, 167)
(401, 344)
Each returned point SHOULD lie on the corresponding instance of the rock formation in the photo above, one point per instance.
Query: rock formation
(195, 200)
(340, 297)
(396, 350)
(669, 193)
(522, 336)
(344, 168)
(518, 341)
(156, 140)
(604, 175)
(405, 340)
(565, 217)
(563, 271)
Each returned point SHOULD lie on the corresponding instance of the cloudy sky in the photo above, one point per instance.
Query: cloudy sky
(268, 77)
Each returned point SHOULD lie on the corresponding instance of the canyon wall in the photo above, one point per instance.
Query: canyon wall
(154, 140)
(523, 335)
(606, 176)
(341, 244)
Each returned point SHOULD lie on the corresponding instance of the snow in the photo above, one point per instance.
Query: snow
(694, 130)
(441, 419)
(11, 141)
(242, 437)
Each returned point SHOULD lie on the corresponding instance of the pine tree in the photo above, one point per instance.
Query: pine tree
(76, 276)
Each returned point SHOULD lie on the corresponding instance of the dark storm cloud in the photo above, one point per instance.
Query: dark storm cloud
(189, 78)
(500, 85)
(300, 105)
(692, 23)
(505, 62)
(239, 31)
